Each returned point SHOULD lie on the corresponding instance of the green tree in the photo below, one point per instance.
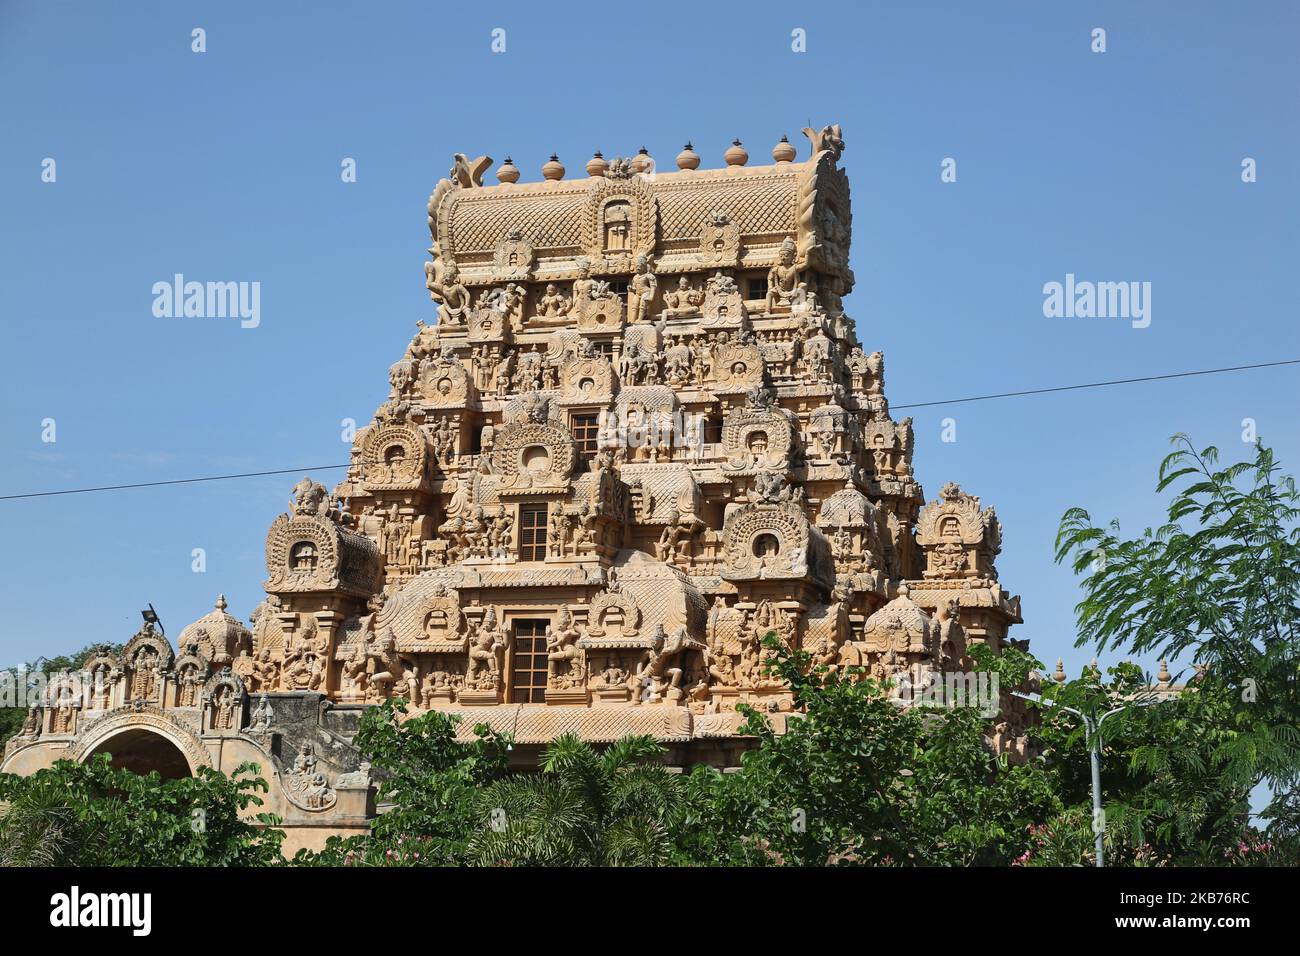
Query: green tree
(93, 814)
(857, 779)
(1219, 582)
(615, 807)
(1167, 793)
(428, 786)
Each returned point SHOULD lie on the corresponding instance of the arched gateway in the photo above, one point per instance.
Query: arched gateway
(143, 742)
(145, 751)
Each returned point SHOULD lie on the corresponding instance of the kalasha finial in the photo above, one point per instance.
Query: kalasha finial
(553, 169)
(1058, 675)
(783, 152)
(221, 602)
(509, 172)
(688, 159)
(1164, 676)
(642, 161)
(737, 155)
(597, 166)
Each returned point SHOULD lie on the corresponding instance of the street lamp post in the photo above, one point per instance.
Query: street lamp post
(1092, 730)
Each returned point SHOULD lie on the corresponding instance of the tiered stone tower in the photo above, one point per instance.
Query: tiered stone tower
(640, 435)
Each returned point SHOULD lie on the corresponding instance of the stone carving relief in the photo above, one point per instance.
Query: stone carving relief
(449, 292)
(900, 633)
(487, 644)
(393, 457)
(306, 784)
(566, 661)
(783, 280)
(587, 380)
(306, 656)
(735, 366)
(724, 306)
(444, 381)
(534, 454)
(766, 541)
(958, 539)
(147, 658)
(513, 259)
(760, 436)
(719, 242)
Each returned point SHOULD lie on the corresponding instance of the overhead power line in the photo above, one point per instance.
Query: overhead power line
(951, 401)
(173, 481)
(1118, 381)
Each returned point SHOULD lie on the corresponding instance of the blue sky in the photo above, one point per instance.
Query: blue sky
(225, 165)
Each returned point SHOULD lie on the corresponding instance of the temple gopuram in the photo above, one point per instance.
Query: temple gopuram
(639, 434)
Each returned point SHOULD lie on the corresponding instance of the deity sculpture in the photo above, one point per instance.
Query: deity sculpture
(683, 300)
(452, 296)
(553, 303)
(782, 279)
(641, 292)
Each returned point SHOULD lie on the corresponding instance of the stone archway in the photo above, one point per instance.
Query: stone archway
(144, 741)
(143, 751)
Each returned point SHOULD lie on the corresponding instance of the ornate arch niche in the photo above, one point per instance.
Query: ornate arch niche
(147, 659)
(104, 673)
(737, 367)
(900, 627)
(224, 698)
(959, 540)
(311, 553)
(613, 616)
(513, 258)
(719, 242)
(189, 677)
(300, 555)
(444, 383)
(758, 437)
(765, 541)
(394, 456)
(587, 380)
(830, 428)
(64, 698)
(442, 624)
(534, 456)
(620, 221)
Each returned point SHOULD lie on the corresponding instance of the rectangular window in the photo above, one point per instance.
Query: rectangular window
(528, 662)
(712, 430)
(532, 532)
(585, 426)
(757, 288)
(618, 287)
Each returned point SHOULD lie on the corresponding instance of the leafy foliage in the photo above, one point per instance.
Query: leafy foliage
(616, 807)
(429, 782)
(1219, 581)
(93, 814)
(856, 779)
